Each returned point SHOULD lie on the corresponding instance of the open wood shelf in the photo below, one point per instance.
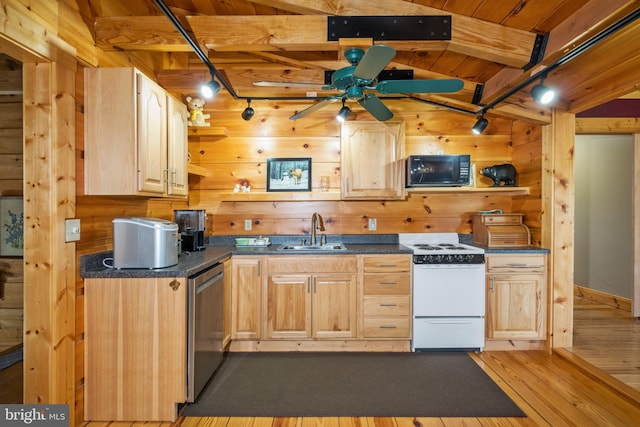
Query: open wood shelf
(259, 196)
(197, 170)
(510, 191)
(208, 131)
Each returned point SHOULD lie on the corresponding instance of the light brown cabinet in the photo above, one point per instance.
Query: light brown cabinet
(135, 341)
(132, 124)
(387, 296)
(371, 165)
(516, 296)
(226, 310)
(310, 298)
(246, 297)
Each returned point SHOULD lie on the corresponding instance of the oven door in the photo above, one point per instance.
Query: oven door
(448, 290)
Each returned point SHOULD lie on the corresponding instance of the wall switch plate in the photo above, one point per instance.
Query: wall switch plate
(72, 230)
(247, 224)
(373, 224)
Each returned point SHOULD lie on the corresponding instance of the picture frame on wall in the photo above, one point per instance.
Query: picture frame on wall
(289, 174)
(11, 226)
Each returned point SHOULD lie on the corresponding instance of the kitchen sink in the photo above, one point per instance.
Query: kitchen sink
(326, 247)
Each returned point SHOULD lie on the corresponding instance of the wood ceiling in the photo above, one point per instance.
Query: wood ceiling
(492, 43)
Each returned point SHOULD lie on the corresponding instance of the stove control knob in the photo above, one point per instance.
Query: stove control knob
(469, 257)
(438, 258)
(449, 258)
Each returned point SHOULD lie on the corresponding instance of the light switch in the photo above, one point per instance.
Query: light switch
(72, 230)
(373, 224)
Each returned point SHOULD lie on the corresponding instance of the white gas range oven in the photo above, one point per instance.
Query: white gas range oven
(448, 292)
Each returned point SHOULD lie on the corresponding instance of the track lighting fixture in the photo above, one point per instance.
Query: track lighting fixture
(209, 90)
(248, 112)
(344, 112)
(480, 125)
(542, 94)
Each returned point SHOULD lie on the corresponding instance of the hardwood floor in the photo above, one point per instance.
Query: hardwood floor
(559, 389)
(609, 339)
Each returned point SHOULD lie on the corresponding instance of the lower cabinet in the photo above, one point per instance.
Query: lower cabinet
(516, 296)
(246, 297)
(135, 348)
(310, 297)
(387, 296)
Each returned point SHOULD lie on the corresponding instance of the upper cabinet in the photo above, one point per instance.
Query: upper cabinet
(372, 156)
(133, 125)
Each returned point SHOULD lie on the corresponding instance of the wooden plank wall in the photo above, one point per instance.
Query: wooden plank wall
(241, 157)
(11, 268)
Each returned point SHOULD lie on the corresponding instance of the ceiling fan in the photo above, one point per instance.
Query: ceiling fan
(361, 76)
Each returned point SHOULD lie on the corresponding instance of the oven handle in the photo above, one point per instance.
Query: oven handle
(461, 266)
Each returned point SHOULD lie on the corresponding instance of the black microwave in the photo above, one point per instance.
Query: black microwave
(438, 170)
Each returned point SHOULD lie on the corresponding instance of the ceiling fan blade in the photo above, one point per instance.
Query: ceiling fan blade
(375, 107)
(290, 84)
(374, 60)
(419, 86)
(314, 107)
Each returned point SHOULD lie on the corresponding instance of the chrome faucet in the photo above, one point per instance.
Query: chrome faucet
(316, 223)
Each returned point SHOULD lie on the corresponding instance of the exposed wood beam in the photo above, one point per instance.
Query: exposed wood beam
(592, 18)
(284, 32)
(470, 36)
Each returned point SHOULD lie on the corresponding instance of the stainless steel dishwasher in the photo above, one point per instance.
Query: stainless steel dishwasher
(205, 343)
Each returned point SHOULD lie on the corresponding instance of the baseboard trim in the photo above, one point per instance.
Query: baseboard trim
(620, 303)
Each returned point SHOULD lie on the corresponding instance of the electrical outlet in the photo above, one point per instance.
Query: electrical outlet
(72, 230)
(247, 224)
(373, 224)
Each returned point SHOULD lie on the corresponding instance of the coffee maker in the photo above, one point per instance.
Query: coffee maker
(191, 225)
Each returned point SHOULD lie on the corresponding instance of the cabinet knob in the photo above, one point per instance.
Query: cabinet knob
(175, 284)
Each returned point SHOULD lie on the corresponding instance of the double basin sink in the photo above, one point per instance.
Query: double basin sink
(310, 248)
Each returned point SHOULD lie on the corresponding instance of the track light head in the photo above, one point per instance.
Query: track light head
(542, 94)
(209, 90)
(480, 125)
(343, 113)
(248, 112)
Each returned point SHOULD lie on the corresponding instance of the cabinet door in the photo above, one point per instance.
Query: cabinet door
(372, 160)
(152, 136)
(246, 297)
(288, 308)
(333, 306)
(135, 348)
(177, 143)
(227, 303)
(515, 306)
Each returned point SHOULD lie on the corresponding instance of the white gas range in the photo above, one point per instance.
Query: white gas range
(448, 292)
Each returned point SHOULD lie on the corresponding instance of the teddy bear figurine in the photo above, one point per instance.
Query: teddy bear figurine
(196, 112)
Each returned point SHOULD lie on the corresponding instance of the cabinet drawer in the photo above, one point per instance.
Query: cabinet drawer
(387, 306)
(387, 263)
(387, 284)
(387, 327)
(317, 264)
(516, 263)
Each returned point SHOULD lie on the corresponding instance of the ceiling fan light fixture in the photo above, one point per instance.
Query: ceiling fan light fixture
(248, 112)
(343, 113)
(480, 125)
(210, 89)
(542, 94)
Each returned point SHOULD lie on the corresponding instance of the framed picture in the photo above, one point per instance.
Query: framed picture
(11, 226)
(289, 174)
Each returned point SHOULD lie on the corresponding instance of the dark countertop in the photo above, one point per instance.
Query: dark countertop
(188, 264)
(223, 247)
(513, 250)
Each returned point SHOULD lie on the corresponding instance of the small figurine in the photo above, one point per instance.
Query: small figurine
(196, 110)
(501, 173)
